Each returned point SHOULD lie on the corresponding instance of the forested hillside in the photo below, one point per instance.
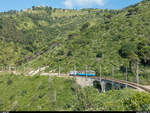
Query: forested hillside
(87, 37)
(34, 31)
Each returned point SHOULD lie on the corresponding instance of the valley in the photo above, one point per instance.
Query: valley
(41, 46)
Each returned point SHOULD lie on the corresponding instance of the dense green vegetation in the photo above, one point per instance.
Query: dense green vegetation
(38, 30)
(20, 93)
(45, 36)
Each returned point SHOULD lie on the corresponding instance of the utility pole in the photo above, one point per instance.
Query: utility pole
(9, 69)
(112, 76)
(103, 56)
(126, 75)
(2, 68)
(100, 73)
(86, 72)
(102, 83)
(15, 69)
(75, 70)
(113, 72)
(24, 69)
(55, 94)
(50, 82)
(59, 70)
(137, 73)
(38, 69)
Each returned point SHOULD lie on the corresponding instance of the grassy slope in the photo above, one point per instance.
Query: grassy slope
(38, 94)
(35, 93)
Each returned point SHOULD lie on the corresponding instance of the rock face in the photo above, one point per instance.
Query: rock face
(84, 81)
(37, 71)
(147, 87)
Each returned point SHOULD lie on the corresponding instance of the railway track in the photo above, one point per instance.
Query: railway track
(134, 85)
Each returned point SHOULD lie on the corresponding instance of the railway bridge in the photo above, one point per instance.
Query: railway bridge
(105, 84)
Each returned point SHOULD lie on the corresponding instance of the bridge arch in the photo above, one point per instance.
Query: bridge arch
(118, 84)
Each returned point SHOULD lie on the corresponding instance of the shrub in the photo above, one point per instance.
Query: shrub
(61, 52)
(23, 92)
(99, 54)
(15, 106)
(69, 53)
(85, 26)
(1, 102)
(1, 81)
(11, 97)
(127, 49)
(9, 81)
(123, 69)
(144, 51)
(41, 95)
(1, 27)
(138, 102)
(41, 86)
(72, 35)
(75, 87)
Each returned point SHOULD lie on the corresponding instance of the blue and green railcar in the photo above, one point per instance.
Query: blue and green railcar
(83, 73)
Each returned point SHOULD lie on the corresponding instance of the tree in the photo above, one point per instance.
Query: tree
(1, 23)
(99, 54)
(69, 53)
(144, 51)
(138, 102)
(128, 50)
(85, 26)
(133, 61)
(132, 11)
(33, 8)
(72, 35)
(61, 52)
